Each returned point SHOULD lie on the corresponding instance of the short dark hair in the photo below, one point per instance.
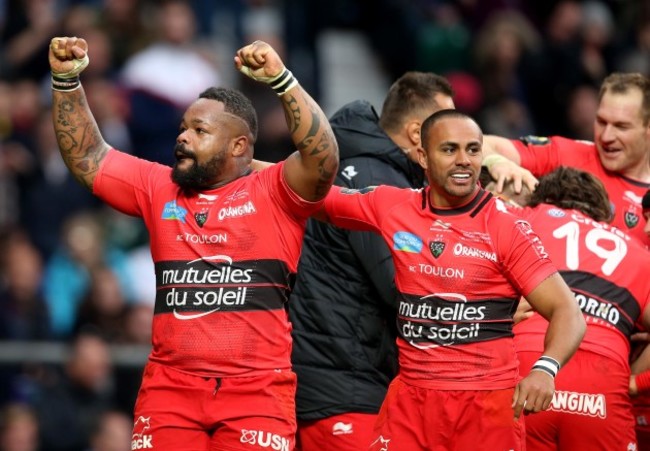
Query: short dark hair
(572, 188)
(622, 82)
(645, 202)
(411, 92)
(235, 102)
(425, 130)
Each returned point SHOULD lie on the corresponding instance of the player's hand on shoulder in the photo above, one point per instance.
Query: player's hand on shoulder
(505, 171)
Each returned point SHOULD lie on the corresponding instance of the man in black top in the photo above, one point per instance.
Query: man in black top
(343, 304)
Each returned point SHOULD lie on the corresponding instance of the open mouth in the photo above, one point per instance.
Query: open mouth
(461, 177)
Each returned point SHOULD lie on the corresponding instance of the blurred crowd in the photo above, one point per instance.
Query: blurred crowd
(74, 272)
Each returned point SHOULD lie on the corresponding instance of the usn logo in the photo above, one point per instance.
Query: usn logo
(139, 438)
(174, 212)
(264, 440)
(407, 242)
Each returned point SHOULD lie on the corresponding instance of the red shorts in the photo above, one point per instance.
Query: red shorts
(641, 410)
(184, 412)
(421, 419)
(591, 408)
(344, 432)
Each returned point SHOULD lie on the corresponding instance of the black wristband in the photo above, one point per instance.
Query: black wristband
(283, 83)
(65, 84)
(548, 365)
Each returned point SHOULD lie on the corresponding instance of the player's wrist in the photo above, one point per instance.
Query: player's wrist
(642, 382)
(547, 365)
(78, 65)
(65, 84)
(493, 159)
(283, 82)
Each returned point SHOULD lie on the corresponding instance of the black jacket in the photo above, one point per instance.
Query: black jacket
(343, 303)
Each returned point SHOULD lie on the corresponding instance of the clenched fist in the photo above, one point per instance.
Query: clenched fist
(68, 56)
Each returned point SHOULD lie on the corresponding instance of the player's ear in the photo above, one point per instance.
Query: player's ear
(413, 132)
(240, 146)
(422, 157)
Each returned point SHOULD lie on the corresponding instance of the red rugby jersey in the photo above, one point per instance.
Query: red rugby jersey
(224, 261)
(459, 274)
(606, 270)
(541, 155)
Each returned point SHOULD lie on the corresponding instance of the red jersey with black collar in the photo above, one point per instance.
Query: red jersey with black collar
(541, 155)
(224, 261)
(459, 275)
(607, 271)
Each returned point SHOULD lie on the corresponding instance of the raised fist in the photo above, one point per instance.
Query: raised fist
(68, 56)
(259, 61)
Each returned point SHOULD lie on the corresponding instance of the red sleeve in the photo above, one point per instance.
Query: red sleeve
(541, 155)
(124, 181)
(352, 208)
(291, 202)
(526, 262)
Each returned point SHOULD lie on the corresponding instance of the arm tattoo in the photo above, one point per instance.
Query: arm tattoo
(292, 114)
(80, 142)
(318, 143)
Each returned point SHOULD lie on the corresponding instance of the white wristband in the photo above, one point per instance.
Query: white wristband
(548, 365)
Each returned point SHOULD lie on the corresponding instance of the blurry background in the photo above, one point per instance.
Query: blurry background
(76, 280)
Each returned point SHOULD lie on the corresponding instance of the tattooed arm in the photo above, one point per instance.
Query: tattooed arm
(311, 170)
(80, 142)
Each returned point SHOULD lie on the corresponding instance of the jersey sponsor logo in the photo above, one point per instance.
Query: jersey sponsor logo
(445, 319)
(230, 294)
(407, 242)
(203, 239)
(341, 428)
(450, 311)
(581, 219)
(475, 237)
(525, 228)
(366, 190)
(439, 225)
(174, 212)
(436, 248)
(440, 319)
(243, 194)
(349, 172)
(234, 212)
(556, 213)
(598, 309)
(460, 250)
(438, 271)
(589, 404)
(208, 197)
(139, 438)
(264, 439)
